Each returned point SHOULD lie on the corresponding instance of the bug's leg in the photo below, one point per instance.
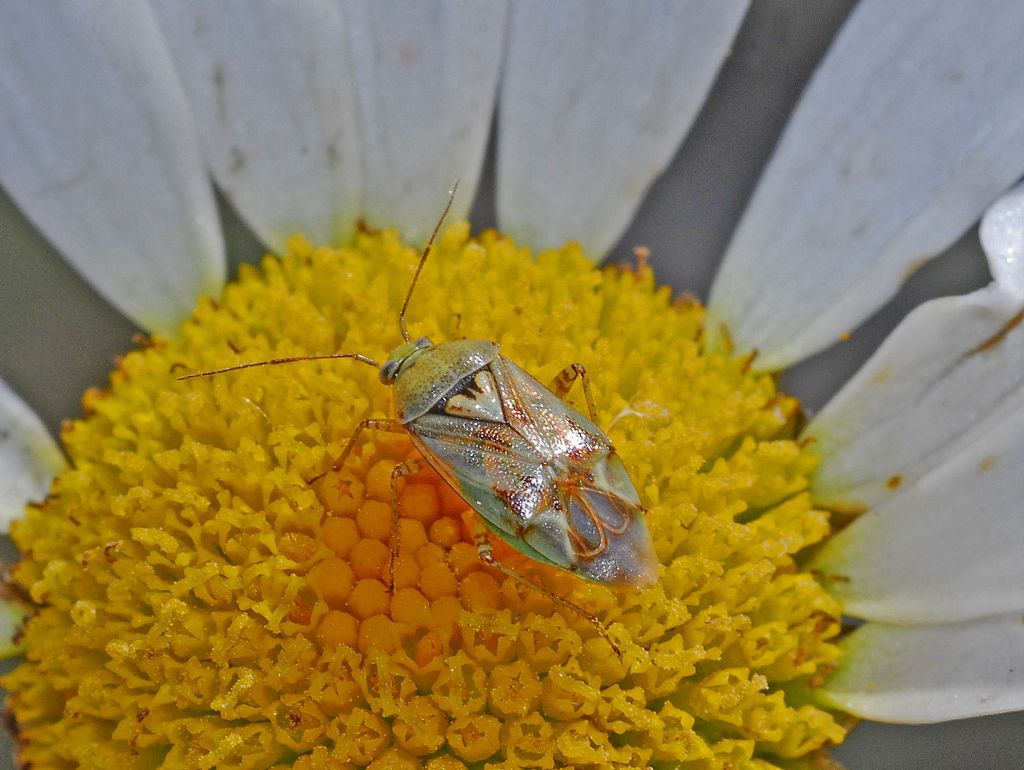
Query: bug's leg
(407, 468)
(483, 547)
(385, 426)
(456, 333)
(563, 382)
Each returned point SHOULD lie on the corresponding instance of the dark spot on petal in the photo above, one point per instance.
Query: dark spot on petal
(999, 336)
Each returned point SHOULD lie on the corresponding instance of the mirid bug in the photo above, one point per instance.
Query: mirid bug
(542, 476)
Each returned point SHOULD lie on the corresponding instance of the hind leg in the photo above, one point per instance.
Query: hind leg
(483, 547)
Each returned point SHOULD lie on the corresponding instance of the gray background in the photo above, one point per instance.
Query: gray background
(57, 337)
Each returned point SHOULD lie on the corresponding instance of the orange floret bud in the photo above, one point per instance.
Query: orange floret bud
(91, 399)
(332, 580)
(420, 502)
(339, 534)
(446, 612)
(446, 532)
(411, 536)
(411, 607)
(339, 493)
(379, 633)
(464, 558)
(378, 481)
(407, 573)
(369, 598)
(479, 589)
(395, 446)
(337, 628)
(374, 519)
(370, 558)
(437, 580)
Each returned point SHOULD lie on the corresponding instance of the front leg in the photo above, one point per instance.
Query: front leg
(563, 382)
(385, 426)
(407, 468)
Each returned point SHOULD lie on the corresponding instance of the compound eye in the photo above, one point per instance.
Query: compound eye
(388, 372)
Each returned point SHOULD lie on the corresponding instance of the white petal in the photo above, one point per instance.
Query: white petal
(923, 674)
(949, 373)
(948, 549)
(98, 149)
(29, 458)
(912, 125)
(1002, 237)
(271, 87)
(426, 74)
(595, 100)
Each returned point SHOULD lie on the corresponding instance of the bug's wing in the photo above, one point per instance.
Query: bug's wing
(498, 472)
(550, 425)
(606, 527)
(601, 510)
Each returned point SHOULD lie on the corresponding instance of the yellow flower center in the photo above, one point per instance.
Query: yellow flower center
(201, 604)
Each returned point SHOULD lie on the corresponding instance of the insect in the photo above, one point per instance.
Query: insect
(542, 476)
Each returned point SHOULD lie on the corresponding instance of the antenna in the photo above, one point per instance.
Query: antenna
(423, 259)
(275, 361)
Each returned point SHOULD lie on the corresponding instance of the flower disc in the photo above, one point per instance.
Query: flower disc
(201, 604)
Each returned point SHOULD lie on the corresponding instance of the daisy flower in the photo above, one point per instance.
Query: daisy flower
(199, 587)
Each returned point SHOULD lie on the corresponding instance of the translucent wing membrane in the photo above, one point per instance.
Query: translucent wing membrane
(539, 472)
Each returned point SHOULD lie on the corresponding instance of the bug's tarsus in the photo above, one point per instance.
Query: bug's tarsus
(276, 361)
(423, 259)
(483, 547)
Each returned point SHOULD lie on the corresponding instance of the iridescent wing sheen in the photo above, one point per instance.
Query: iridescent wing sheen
(552, 427)
(494, 469)
(601, 512)
(543, 476)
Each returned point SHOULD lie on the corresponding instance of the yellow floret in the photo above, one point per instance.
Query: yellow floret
(204, 601)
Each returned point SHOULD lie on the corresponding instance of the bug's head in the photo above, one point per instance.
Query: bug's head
(400, 356)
